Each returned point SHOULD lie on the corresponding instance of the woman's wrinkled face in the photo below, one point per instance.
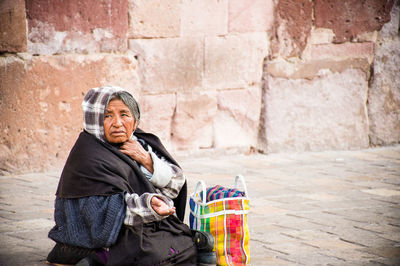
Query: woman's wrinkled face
(119, 123)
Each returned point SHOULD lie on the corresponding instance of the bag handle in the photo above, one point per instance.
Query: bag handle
(203, 185)
(241, 178)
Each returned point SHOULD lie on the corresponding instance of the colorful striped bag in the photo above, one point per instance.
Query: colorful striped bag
(223, 212)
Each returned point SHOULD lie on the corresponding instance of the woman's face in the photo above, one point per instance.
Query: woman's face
(119, 123)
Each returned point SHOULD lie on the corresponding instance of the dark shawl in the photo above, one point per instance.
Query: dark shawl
(96, 168)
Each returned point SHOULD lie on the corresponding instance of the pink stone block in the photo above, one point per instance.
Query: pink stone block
(350, 18)
(154, 18)
(169, 65)
(313, 68)
(80, 16)
(41, 115)
(352, 50)
(250, 15)
(77, 26)
(157, 111)
(292, 27)
(192, 125)
(228, 62)
(325, 113)
(238, 112)
(12, 26)
(204, 17)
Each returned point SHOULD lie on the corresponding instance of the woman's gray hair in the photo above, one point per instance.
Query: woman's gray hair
(129, 101)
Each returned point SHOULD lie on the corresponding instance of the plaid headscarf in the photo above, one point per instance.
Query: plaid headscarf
(93, 105)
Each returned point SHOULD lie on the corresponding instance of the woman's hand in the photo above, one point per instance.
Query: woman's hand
(138, 153)
(161, 207)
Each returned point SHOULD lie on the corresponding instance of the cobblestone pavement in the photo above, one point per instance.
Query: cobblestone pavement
(325, 208)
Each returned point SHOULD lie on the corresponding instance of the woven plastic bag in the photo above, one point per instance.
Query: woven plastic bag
(226, 220)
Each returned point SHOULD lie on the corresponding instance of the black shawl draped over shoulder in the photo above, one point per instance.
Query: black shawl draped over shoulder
(97, 168)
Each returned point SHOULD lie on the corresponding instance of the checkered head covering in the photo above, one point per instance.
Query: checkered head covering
(93, 105)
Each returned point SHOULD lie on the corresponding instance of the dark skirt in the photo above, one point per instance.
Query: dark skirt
(167, 242)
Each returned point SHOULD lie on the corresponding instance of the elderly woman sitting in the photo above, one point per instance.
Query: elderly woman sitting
(121, 197)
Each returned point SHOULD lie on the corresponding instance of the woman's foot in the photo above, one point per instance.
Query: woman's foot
(204, 241)
(206, 258)
(91, 260)
(205, 245)
(65, 254)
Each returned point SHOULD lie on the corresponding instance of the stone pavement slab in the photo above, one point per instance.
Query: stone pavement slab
(316, 208)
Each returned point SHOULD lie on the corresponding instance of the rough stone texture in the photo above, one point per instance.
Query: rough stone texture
(324, 113)
(320, 36)
(200, 70)
(349, 18)
(77, 26)
(239, 112)
(228, 64)
(157, 113)
(250, 15)
(384, 92)
(12, 26)
(41, 117)
(211, 21)
(392, 28)
(192, 125)
(293, 21)
(169, 65)
(315, 68)
(340, 51)
(154, 18)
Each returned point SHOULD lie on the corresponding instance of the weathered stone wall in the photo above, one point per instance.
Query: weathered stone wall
(41, 103)
(284, 75)
(319, 91)
(384, 90)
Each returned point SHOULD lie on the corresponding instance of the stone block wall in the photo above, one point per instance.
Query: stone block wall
(246, 75)
(331, 81)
